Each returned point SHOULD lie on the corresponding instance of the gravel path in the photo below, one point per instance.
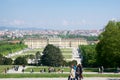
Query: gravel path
(93, 78)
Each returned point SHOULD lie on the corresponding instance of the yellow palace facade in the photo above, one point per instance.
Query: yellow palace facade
(63, 43)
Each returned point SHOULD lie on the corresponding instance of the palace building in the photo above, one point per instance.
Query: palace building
(60, 42)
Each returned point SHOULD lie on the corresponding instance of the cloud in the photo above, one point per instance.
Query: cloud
(17, 22)
(65, 23)
(83, 22)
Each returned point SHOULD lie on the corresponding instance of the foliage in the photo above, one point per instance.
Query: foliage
(37, 58)
(6, 47)
(52, 56)
(5, 60)
(108, 49)
(20, 61)
(88, 54)
(89, 38)
(3, 67)
(73, 62)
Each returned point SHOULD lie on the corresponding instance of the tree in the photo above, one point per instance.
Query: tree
(108, 48)
(20, 61)
(1, 59)
(73, 62)
(5, 60)
(37, 58)
(52, 56)
(89, 55)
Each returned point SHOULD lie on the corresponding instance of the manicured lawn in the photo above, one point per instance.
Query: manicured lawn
(52, 75)
(67, 56)
(37, 69)
(39, 49)
(33, 75)
(3, 67)
(67, 52)
(65, 49)
(96, 69)
(90, 69)
(101, 75)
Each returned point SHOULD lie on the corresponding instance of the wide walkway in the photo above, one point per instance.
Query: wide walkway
(91, 78)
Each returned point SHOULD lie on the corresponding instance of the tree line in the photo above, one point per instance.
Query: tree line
(107, 51)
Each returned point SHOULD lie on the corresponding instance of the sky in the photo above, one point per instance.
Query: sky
(59, 14)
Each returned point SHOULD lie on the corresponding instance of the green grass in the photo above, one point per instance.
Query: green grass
(52, 75)
(96, 69)
(3, 67)
(31, 51)
(37, 69)
(67, 52)
(31, 75)
(90, 69)
(39, 49)
(28, 53)
(65, 49)
(67, 56)
(101, 75)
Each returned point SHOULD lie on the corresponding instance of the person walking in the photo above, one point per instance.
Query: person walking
(72, 73)
(79, 75)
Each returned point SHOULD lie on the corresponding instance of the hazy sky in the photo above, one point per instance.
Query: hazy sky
(59, 14)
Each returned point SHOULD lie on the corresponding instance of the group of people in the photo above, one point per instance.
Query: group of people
(50, 69)
(76, 72)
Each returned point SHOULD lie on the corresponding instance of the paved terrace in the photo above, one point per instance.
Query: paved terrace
(91, 78)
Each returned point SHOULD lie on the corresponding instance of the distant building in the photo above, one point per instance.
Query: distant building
(42, 42)
(14, 41)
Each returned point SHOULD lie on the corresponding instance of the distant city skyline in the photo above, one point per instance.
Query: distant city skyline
(59, 14)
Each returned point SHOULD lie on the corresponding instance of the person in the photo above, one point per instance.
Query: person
(118, 69)
(75, 71)
(101, 69)
(5, 70)
(23, 70)
(79, 72)
(72, 73)
(32, 71)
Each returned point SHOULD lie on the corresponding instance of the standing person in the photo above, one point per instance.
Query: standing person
(72, 73)
(79, 72)
(102, 69)
(99, 70)
(75, 66)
